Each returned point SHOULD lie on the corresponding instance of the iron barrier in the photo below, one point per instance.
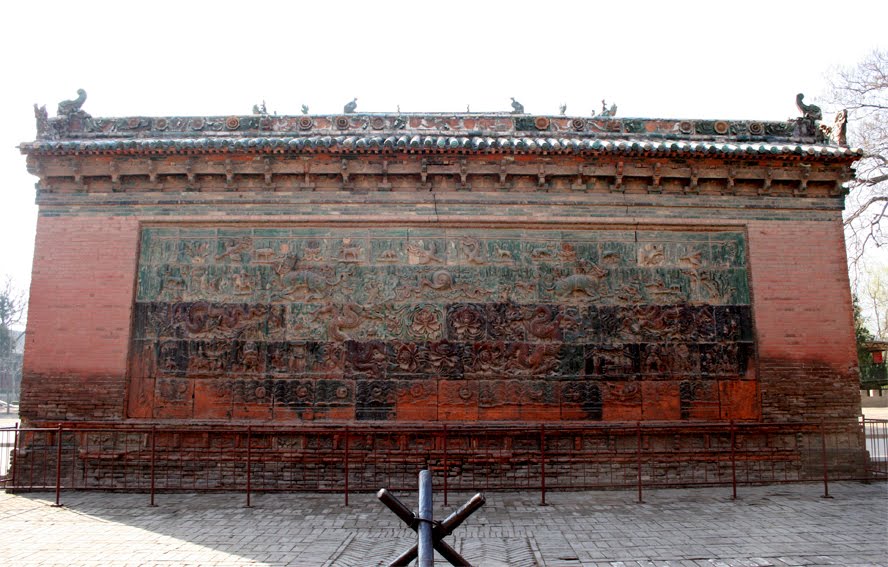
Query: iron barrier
(461, 457)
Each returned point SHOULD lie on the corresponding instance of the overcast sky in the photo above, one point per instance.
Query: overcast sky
(669, 59)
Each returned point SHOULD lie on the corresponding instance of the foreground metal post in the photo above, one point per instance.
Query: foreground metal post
(249, 465)
(58, 488)
(426, 551)
(543, 465)
(153, 457)
(733, 462)
(345, 465)
(438, 531)
(445, 464)
(638, 456)
(825, 463)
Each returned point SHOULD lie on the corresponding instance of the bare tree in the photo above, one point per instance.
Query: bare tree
(863, 91)
(13, 307)
(874, 296)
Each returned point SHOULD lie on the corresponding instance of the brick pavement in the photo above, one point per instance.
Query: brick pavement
(773, 525)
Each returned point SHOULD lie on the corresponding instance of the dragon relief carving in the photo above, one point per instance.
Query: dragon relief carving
(339, 318)
(543, 322)
(303, 282)
(587, 282)
(204, 319)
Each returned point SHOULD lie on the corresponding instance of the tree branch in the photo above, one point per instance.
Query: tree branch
(867, 204)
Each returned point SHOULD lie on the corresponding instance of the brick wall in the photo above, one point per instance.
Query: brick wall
(84, 277)
(803, 319)
(79, 318)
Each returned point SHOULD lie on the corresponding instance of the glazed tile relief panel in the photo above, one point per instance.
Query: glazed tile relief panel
(292, 324)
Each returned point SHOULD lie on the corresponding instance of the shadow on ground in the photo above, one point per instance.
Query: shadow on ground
(772, 525)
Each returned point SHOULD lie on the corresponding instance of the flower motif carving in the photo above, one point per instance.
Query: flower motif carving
(466, 322)
(425, 323)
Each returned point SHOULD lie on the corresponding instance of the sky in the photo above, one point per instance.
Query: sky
(666, 59)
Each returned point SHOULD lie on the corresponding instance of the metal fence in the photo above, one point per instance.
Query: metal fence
(465, 457)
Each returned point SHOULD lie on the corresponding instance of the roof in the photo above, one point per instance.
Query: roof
(80, 133)
(433, 144)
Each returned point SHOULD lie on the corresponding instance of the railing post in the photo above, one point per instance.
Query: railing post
(638, 457)
(733, 463)
(825, 464)
(867, 467)
(153, 452)
(249, 464)
(445, 464)
(15, 440)
(58, 488)
(346, 465)
(543, 464)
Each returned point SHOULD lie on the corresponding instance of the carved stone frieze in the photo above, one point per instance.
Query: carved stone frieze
(377, 324)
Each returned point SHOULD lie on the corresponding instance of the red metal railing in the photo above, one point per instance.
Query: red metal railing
(876, 434)
(462, 457)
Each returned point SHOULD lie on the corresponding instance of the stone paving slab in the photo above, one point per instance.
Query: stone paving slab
(767, 526)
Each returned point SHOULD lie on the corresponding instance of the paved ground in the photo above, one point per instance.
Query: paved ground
(775, 525)
(766, 526)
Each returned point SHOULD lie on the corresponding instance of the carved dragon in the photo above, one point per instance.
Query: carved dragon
(69, 107)
(347, 317)
(308, 282)
(809, 111)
